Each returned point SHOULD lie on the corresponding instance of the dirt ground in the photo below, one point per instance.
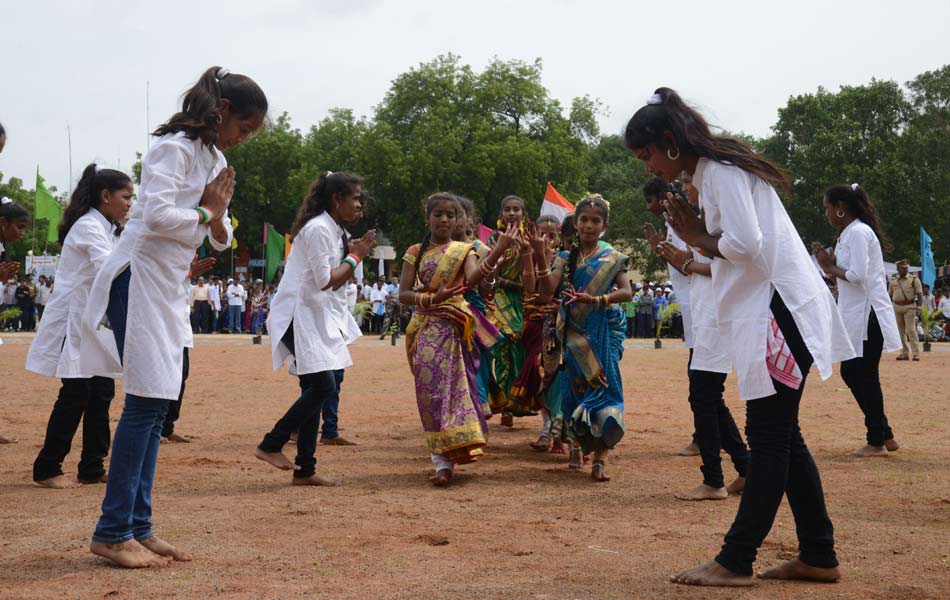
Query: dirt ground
(518, 524)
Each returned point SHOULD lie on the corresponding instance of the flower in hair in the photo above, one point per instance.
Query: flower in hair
(655, 99)
(854, 187)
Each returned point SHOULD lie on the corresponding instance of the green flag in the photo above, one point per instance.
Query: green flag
(46, 207)
(273, 251)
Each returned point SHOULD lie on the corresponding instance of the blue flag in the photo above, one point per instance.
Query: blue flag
(928, 271)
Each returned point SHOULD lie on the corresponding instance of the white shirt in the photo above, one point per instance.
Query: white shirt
(236, 295)
(367, 292)
(55, 349)
(158, 245)
(214, 296)
(351, 296)
(858, 252)
(944, 307)
(708, 354)
(9, 293)
(763, 253)
(928, 300)
(43, 293)
(323, 325)
(681, 285)
(378, 295)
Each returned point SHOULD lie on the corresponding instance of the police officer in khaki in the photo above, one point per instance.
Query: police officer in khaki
(905, 293)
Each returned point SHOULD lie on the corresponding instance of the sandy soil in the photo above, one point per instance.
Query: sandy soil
(517, 525)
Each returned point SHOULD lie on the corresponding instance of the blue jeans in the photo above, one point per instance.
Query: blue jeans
(331, 410)
(234, 318)
(127, 506)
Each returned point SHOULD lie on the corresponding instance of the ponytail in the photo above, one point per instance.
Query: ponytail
(667, 113)
(317, 200)
(87, 195)
(860, 205)
(200, 110)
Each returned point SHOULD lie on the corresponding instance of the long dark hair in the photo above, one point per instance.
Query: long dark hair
(667, 113)
(199, 108)
(317, 200)
(87, 194)
(859, 204)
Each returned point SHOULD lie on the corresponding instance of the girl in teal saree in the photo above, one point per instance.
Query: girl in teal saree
(592, 281)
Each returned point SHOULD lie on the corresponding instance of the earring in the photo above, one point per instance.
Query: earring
(670, 156)
(218, 119)
(840, 213)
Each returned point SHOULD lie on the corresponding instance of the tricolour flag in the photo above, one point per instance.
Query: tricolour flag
(555, 204)
(47, 207)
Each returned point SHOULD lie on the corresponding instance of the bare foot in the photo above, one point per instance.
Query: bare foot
(293, 439)
(314, 479)
(736, 487)
(337, 441)
(796, 569)
(442, 478)
(276, 459)
(130, 554)
(100, 479)
(542, 444)
(557, 447)
(704, 492)
(7, 440)
(598, 471)
(691, 449)
(713, 574)
(60, 482)
(869, 451)
(177, 439)
(892, 445)
(163, 548)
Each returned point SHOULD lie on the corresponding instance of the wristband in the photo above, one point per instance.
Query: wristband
(204, 215)
(350, 261)
(354, 257)
(686, 265)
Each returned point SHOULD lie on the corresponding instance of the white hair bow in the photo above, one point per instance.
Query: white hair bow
(655, 99)
(99, 168)
(854, 187)
(221, 73)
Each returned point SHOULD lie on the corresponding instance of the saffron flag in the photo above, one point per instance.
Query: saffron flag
(234, 226)
(273, 251)
(47, 207)
(555, 204)
(928, 270)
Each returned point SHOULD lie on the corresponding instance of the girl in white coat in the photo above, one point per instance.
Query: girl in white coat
(775, 316)
(857, 262)
(90, 227)
(183, 198)
(309, 323)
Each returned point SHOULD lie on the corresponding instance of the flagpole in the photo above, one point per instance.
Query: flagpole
(33, 243)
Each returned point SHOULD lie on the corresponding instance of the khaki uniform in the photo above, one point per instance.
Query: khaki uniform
(903, 292)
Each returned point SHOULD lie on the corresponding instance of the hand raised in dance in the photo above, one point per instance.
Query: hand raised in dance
(825, 258)
(572, 295)
(445, 292)
(217, 195)
(201, 266)
(8, 270)
(653, 237)
(361, 247)
(681, 217)
(673, 255)
(531, 237)
(508, 237)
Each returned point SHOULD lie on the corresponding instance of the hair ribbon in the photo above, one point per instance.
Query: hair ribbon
(654, 100)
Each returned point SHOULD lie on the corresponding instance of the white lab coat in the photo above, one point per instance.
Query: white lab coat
(323, 325)
(55, 350)
(158, 245)
(707, 351)
(763, 253)
(858, 252)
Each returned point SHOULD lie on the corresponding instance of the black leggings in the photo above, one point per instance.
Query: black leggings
(863, 376)
(780, 465)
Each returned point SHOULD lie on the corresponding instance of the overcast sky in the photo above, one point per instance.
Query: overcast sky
(86, 63)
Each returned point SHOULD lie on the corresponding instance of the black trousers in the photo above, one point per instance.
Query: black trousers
(79, 399)
(863, 376)
(174, 408)
(780, 464)
(714, 426)
(203, 316)
(303, 416)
